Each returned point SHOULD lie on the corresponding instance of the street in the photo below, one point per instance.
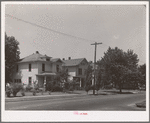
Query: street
(122, 102)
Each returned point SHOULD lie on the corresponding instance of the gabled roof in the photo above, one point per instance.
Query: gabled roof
(55, 60)
(34, 57)
(73, 62)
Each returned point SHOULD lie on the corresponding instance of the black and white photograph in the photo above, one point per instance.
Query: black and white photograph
(75, 61)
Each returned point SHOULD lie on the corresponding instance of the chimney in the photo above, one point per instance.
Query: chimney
(63, 59)
(37, 52)
(69, 58)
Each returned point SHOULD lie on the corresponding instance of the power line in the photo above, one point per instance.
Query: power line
(33, 24)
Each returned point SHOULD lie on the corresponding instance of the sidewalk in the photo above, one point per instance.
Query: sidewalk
(56, 95)
(39, 97)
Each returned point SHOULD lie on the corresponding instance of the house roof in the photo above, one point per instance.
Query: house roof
(73, 62)
(55, 60)
(34, 57)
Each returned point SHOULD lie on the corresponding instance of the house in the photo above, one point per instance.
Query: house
(36, 67)
(76, 69)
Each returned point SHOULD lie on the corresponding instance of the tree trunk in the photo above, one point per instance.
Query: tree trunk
(120, 90)
(120, 87)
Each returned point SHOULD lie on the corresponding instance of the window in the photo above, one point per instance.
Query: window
(17, 80)
(57, 68)
(29, 67)
(43, 67)
(17, 68)
(47, 59)
(30, 79)
(80, 71)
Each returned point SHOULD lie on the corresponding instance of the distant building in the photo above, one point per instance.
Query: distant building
(76, 69)
(36, 67)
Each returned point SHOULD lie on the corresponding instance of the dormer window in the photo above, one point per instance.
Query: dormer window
(47, 59)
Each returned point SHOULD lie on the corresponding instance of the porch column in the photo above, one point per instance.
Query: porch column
(80, 82)
(93, 80)
(44, 80)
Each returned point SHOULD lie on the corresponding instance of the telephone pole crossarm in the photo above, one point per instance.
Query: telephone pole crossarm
(96, 43)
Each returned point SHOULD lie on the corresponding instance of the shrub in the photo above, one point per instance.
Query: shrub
(66, 85)
(57, 88)
(16, 88)
(29, 87)
(8, 91)
(91, 87)
(49, 86)
(87, 88)
(108, 86)
(71, 88)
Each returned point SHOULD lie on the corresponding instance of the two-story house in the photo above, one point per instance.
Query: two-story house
(36, 67)
(76, 69)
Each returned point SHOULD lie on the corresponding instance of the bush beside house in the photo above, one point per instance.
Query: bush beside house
(14, 88)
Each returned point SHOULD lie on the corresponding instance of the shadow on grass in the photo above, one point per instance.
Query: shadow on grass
(70, 92)
(103, 94)
(13, 96)
(141, 104)
(117, 92)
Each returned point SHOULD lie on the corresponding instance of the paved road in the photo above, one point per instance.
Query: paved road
(85, 102)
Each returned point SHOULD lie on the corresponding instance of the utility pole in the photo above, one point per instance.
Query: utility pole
(95, 64)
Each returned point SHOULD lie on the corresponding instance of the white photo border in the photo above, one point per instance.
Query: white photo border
(41, 116)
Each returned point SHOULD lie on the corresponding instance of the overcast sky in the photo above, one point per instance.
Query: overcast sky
(113, 25)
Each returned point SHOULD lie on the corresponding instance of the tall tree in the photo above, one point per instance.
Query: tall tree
(88, 75)
(62, 76)
(142, 70)
(11, 56)
(116, 63)
(99, 83)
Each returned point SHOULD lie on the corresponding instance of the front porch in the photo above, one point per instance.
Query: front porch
(80, 82)
(44, 78)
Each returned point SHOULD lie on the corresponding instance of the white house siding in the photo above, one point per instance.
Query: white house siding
(72, 72)
(47, 66)
(83, 67)
(24, 73)
(55, 64)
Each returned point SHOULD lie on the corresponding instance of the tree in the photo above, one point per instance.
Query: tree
(98, 79)
(11, 56)
(118, 72)
(133, 78)
(87, 88)
(116, 63)
(88, 78)
(88, 75)
(64, 75)
(142, 70)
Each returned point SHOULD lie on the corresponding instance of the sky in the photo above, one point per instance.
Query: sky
(122, 26)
